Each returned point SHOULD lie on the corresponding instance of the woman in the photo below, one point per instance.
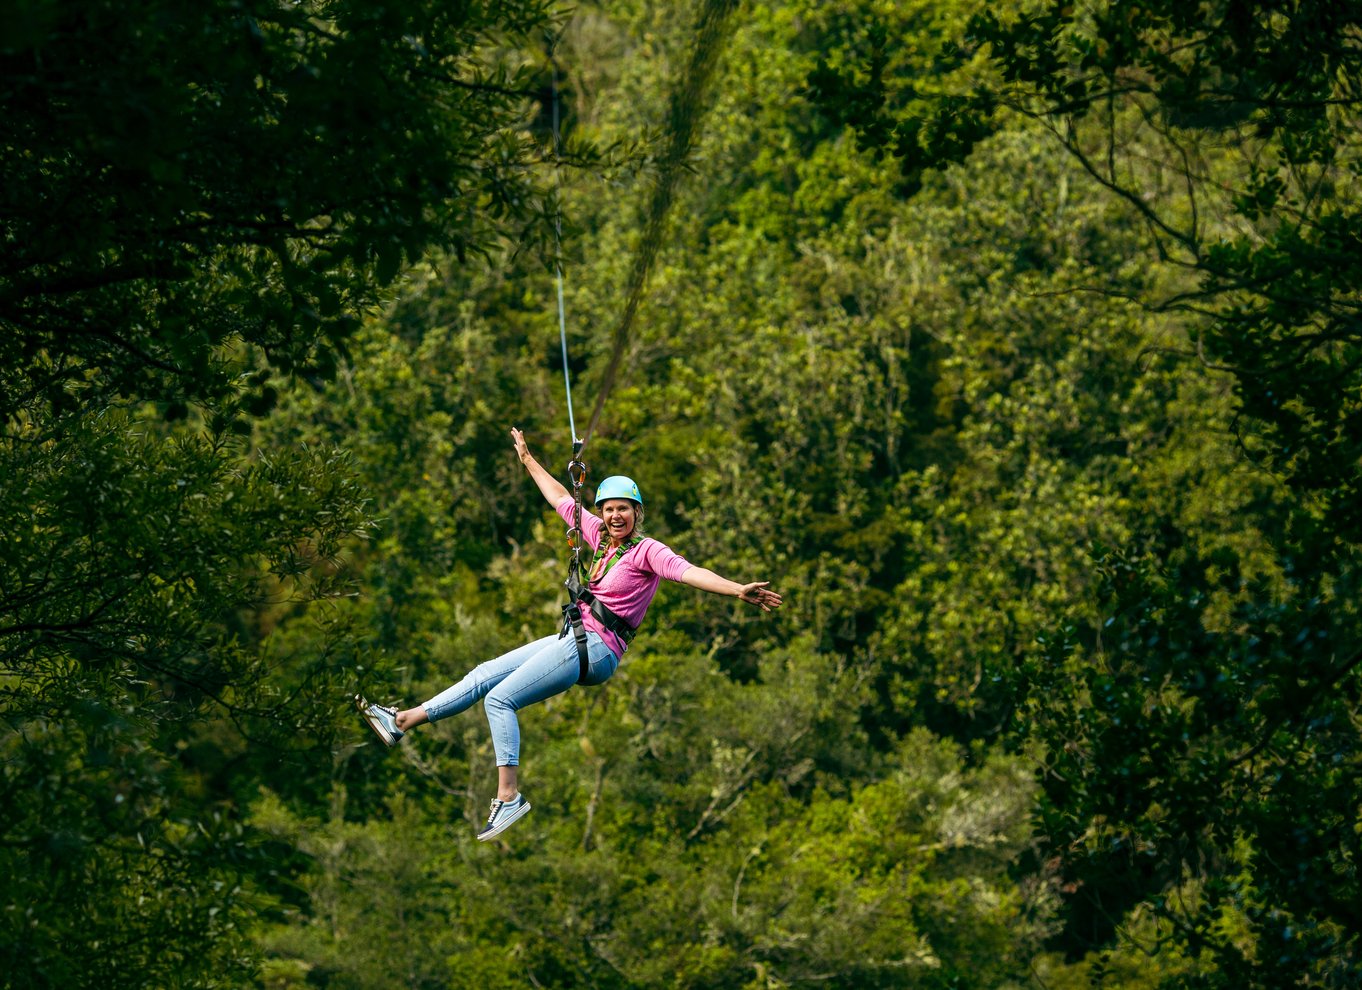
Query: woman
(624, 576)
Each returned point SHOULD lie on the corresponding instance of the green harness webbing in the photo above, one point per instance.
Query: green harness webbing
(620, 551)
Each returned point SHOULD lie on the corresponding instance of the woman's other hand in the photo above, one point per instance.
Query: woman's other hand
(757, 593)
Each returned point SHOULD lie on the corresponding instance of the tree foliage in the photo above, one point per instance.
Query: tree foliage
(1014, 346)
(200, 204)
(184, 177)
(1217, 690)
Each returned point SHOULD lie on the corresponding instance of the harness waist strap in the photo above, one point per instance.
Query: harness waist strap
(608, 618)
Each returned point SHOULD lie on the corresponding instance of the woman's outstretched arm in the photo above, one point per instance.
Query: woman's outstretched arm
(552, 488)
(757, 593)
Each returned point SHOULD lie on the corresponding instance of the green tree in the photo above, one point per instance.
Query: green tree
(1204, 696)
(132, 558)
(742, 805)
(183, 178)
(200, 205)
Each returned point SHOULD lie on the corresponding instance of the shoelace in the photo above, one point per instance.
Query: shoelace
(496, 806)
(392, 716)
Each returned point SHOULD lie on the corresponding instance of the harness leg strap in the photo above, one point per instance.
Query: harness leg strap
(572, 619)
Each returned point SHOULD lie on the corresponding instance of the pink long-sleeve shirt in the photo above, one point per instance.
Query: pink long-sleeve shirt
(629, 588)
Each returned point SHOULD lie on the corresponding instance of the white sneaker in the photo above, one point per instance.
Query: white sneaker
(381, 719)
(504, 815)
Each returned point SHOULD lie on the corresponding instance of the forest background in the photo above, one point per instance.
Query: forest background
(1018, 347)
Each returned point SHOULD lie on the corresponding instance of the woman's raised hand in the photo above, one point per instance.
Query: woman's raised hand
(521, 450)
(757, 593)
(549, 486)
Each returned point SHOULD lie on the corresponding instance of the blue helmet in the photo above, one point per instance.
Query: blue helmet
(618, 486)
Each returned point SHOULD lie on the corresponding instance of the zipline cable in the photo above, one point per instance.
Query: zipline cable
(685, 110)
(576, 467)
(558, 247)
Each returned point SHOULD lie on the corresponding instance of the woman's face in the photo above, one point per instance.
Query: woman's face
(619, 516)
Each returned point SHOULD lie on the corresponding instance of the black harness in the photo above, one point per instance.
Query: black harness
(582, 597)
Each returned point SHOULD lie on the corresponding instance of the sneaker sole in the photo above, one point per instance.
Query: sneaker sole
(502, 826)
(380, 730)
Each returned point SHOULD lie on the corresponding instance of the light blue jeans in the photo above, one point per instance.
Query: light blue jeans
(527, 675)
